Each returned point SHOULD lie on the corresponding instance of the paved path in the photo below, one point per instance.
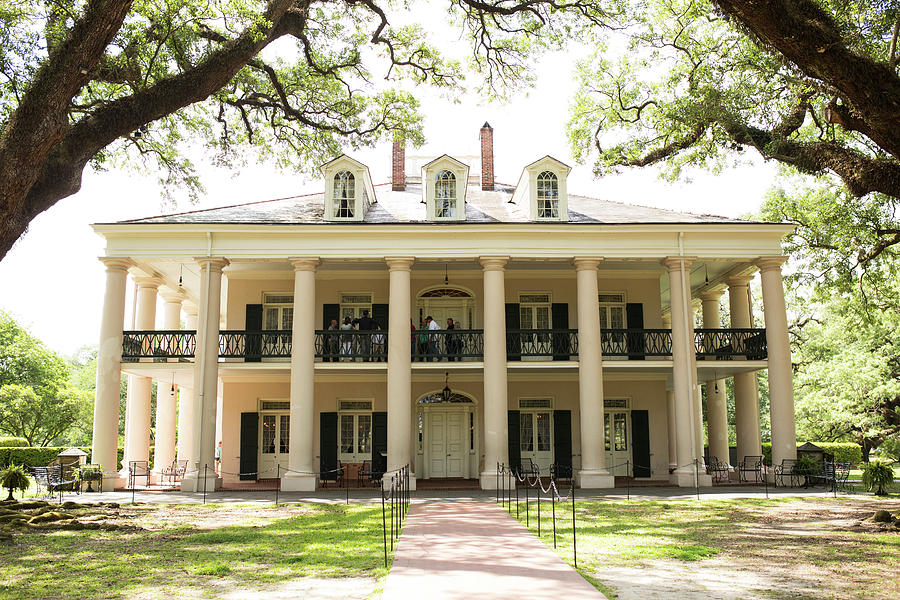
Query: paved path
(465, 550)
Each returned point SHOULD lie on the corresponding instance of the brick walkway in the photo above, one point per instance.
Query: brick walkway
(464, 550)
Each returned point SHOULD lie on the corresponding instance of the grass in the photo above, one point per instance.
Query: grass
(173, 550)
(821, 536)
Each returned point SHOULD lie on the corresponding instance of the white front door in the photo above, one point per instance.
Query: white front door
(617, 432)
(274, 443)
(535, 438)
(446, 443)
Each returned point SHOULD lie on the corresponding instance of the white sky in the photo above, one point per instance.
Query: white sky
(52, 282)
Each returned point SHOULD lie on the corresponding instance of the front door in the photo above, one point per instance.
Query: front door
(274, 443)
(535, 438)
(617, 433)
(447, 444)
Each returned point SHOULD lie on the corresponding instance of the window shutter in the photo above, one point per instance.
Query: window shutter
(513, 337)
(379, 442)
(559, 319)
(252, 326)
(249, 449)
(562, 440)
(328, 441)
(380, 314)
(640, 442)
(515, 457)
(634, 318)
(329, 312)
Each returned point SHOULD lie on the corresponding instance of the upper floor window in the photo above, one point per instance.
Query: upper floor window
(344, 195)
(445, 195)
(612, 310)
(547, 195)
(278, 311)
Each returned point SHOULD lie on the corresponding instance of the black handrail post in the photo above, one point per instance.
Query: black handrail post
(553, 508)
(205, 470)
(498, 483)
(627, 483)
(383, 528)
(516, 483)
(277, 481)
(697, 476)
(766, 481)
(527, 522)
(574, 544)
(539, 491)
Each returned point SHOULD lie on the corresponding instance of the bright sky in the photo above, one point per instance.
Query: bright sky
(52, 282)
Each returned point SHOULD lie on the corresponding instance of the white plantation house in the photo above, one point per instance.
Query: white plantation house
(573, 343)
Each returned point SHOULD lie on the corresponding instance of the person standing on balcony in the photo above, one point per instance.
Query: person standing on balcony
(432, 350)
(332, 342)
(368, 324)
(346, 339)
(454, 344)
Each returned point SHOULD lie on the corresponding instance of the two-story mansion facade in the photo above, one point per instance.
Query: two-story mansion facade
(573, 340)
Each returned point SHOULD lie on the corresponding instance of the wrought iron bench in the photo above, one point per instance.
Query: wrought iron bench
(787, 468)
(717, 469)
(175, 471)
(50, 478)
(751, 465)
(138, 469)
(335, 475)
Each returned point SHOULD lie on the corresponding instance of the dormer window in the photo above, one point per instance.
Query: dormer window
(348, 189)
(445, 195)
(344, 195)
(548, 195)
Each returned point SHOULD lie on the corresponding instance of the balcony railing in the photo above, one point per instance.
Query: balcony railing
(458, 344)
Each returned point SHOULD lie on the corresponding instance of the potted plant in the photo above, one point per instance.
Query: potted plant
(90, 473)
(14, 478)
(876, 476)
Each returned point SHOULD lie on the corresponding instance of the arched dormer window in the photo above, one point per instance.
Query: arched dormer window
(344, 202)
(548, 195)
(445, 195)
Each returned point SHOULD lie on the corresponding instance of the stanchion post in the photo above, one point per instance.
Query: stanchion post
(627, 482)
(553, 508)
(277, 482)
(766, 481)
(697, 476)
(540, 490)
(527, 521)
(205, 470)
(574, 543)
(498, 483)
(383, 528)
(516, 483)
(392, 513)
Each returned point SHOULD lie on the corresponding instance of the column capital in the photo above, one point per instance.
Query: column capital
(770, 263)
(493, 263)
(586, 263)
(173, 296)
(674, 263)
(399, 263)
(191, 309)
(740, 281)
(711, 295)
(214, 263)
(148, 282)
(115, 263)
(304, 263)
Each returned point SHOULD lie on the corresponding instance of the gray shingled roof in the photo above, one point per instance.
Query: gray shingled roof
(407, 207)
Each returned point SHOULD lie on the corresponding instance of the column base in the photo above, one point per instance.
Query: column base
(298, 482)
(117, 482)
(595, 479)
(685, 478)
(194, 482)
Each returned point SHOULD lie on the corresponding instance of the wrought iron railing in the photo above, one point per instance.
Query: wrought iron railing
(349, 345)
(452, 344)
(158, 345)
(726, 344)
(459, 344)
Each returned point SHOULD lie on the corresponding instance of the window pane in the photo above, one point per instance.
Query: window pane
(364, 437)
(621, 433)
(543, 317)
(287, 318)
(445, 185)
(444, 208)
(347, 434)
(543, 432)
(616, 317)
(604, 317)
(526, 320)
(271, 318)
(268, 434)
(526, 432)
(284, 435)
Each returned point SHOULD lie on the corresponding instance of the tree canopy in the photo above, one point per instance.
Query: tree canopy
(93, 82)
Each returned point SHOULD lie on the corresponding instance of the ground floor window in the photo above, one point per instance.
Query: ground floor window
(355, 427)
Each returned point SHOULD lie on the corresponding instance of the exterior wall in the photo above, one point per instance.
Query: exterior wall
(649, 396)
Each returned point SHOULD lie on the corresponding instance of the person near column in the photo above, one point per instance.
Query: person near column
(346, 339)
(332, 342)
(432, 349)
(366, 324)
(453, 342)
(219, 458)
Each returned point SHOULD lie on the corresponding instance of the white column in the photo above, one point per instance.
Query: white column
(166, 392)
(399, 368)
(695, 387)
(186, 396)
(716, 404)
(140, 389)
(781, 384)
(593, 472)
(686, 451)
(105, 438)
(670, 408)
(746, 391)
(496, 402)
(303, 386)
(206, 378)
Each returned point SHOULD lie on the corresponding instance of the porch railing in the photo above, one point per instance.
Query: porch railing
(459, 344)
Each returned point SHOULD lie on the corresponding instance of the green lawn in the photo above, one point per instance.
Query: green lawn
(177, 551)
(776, 541)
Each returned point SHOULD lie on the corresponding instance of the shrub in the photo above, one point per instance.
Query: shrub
(843, 452)
(38, 457)
(876, 476)
(14, 478)
(12, 442)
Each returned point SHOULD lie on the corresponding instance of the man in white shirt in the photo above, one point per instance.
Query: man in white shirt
(432, 350)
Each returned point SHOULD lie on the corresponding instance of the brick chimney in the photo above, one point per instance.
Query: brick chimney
(398, 163)
(487, 157)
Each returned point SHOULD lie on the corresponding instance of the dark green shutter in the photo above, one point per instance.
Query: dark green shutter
(328, 441)
(562, 440)
(559, 315)
(253, 320)
(634, 316)
(248, 460)
(640, 443)
(380, 314)
(515, 456)
(513, 338)
(379, 442)
(329, 312)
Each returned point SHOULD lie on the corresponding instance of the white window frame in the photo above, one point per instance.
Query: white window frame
(605, 306)
(336, 207)
(279, 307)
(445, 178)
(553, 200)
(430, 174)
(548, 304)
(533, 411)
(357, 307)
(355, 414)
